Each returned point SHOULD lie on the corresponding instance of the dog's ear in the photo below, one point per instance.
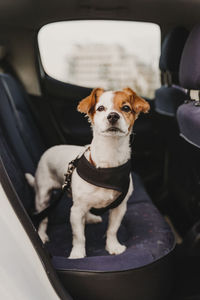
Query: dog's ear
(87, 105)
(138, 103)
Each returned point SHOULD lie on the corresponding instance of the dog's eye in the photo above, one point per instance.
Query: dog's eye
(125, 108)
(101, 108)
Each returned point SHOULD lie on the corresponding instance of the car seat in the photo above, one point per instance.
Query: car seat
(185, 180)
(143, 271)
(188, 116)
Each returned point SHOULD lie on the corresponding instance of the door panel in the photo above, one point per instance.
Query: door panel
(63, 99)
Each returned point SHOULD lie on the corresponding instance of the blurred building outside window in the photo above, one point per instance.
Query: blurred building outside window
(107, 54)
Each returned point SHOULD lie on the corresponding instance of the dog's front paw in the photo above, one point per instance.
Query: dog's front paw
(77, 253)
(115, 248)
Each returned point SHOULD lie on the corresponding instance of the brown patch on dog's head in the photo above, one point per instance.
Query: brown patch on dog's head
(129, 104)
(87, 105)
(121, 100)
(138, 104)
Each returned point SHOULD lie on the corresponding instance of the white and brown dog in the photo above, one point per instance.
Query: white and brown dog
(112, 115)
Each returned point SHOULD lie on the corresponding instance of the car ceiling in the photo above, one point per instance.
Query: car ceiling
(21, 19)
(33, 14)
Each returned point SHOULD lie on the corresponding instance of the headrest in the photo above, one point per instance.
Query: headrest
(171, 51)
(189, 75)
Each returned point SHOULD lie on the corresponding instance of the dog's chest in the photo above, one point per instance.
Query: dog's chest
(88, 195)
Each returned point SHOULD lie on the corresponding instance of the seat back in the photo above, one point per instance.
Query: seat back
(16, 175)
(20, 142)
(18, 125)
(186, 173)
(188, 114)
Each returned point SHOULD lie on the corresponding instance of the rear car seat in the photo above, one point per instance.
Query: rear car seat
(143, 271)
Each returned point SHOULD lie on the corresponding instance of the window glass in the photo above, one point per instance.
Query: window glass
(107, 54)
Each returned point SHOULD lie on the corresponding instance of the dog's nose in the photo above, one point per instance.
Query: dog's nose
(113, 117)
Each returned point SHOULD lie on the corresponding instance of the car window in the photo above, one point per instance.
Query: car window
(107, 54)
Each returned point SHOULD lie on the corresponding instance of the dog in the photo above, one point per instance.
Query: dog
(112, 115)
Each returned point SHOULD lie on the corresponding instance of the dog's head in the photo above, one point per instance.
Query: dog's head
(113, 113)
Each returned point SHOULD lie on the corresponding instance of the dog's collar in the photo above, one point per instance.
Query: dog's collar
(115, 178)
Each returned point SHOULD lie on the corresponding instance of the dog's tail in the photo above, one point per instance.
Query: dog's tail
(31, 179)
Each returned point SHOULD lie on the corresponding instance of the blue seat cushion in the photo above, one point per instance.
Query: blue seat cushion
(188, 117)
(143, 230)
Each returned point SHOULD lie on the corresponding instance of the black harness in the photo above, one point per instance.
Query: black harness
(116, 178)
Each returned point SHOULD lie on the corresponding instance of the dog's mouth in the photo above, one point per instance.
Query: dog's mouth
(114, 129)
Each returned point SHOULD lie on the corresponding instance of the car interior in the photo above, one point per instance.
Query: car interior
(161, 227)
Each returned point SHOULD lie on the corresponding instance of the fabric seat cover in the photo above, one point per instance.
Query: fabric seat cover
(188, 115)
(144, 231)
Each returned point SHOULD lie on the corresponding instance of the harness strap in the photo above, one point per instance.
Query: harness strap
(116, 178)
(114, 204)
